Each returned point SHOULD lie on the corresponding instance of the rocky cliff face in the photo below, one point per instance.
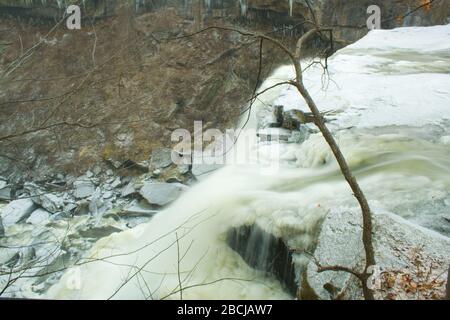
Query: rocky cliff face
(348, 17)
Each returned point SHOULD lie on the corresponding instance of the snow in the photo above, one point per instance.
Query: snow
(390, 77)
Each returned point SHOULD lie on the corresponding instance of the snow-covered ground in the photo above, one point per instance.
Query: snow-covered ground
(389, 96)
(390, 77)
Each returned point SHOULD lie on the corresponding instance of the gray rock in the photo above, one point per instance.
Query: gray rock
(294, 119)
(98, 232)
(69, 207)
(116, 182)
(17, 211)
(138, 209)
(161, 158)
(49, 202)
(439, 222)
(5, 193)
(128, 189)
(205, 164)
(82, 207)
(38, 216)
(2, 228)
(5, 190)
(97, 205)
(108, 195)
(97, 170)
(83, 188)
(270, 117)
(160, 193)
(398, 244)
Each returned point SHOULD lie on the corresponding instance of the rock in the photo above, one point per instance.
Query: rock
(161, 193)
(5, 190)
(439, 222)
(135, 167)
(5, 193)
(82, 207)
(403, 250)
(49, 202)
(2, 228)
(89, 174)
(16, 211)
(161, 158)
(108, 195)
(270, 117)
(201, 171)
(6, 254)
(97, 205)
(69, 207)
(294, 119)
(21, 257)
(138, 209)
(38, 216)
(116, 182)
(98, 232)
(212, 159)
(97, 170)
(83, 188)
(129, 189)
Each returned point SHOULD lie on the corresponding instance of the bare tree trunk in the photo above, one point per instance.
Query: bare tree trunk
(345, 169)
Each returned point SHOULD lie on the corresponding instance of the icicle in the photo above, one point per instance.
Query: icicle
(291, 5)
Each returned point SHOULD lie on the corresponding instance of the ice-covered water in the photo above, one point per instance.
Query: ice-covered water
(389, 102)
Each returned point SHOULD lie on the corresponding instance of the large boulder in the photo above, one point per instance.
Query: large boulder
(412, 261)
(160, 193)
(16, 211)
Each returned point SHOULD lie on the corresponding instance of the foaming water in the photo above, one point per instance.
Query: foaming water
(403, 167)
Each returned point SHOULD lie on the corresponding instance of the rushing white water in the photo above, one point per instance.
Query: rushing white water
(390, 99)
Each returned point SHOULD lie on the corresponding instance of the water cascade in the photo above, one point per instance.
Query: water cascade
(395, 137)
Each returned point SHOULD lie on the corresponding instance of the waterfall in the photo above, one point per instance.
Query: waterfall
(397, 147)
